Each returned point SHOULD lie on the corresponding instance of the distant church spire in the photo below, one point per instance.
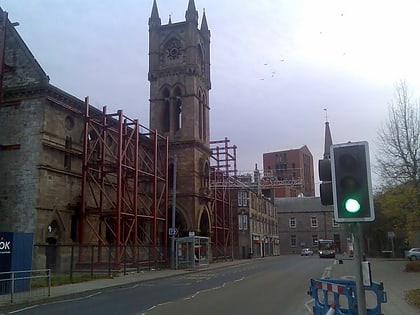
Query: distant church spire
(328, 139)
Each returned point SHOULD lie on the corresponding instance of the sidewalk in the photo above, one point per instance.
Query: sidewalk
(391, 273)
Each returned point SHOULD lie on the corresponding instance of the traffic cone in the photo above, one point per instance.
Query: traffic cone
(331, 311)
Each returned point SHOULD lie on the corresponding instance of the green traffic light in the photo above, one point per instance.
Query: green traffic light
(352, 205)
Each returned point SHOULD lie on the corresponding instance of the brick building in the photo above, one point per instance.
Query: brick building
(293, 170)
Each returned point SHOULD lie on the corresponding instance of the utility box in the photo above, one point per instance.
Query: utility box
(15, 255)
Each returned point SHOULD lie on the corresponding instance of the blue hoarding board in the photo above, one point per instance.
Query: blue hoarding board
(15, 255)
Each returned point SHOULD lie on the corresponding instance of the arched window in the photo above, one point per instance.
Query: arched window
(166, 110)
(177, 119)
(200, 115)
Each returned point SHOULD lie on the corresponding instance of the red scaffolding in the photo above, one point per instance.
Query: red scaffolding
(223, 168)
(124, 190)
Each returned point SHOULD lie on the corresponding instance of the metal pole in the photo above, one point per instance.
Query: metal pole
(360, 290)
(71, 261)
(173, 213)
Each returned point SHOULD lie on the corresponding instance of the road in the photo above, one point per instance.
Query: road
(272, 285)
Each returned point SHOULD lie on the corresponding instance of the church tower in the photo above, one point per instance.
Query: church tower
(179, 75)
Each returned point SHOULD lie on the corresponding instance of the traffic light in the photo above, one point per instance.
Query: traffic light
(351, 182)
(325, 188)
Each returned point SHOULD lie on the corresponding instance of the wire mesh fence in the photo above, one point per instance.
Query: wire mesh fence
(24, 285)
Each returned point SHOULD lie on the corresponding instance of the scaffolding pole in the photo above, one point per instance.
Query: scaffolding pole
(124, 189)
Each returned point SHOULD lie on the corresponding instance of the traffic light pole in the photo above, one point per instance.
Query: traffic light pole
(173, 214)
(361, 298)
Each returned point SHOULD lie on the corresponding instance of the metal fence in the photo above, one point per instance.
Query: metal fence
(24, 285)
(74, 260)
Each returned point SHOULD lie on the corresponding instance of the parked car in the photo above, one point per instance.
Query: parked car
(413, 254)
(306, 252)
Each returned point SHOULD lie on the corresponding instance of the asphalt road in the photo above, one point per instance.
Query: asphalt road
(273, 285)
(276, 286)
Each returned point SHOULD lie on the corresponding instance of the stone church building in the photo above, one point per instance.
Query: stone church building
(72, 174)
(179, 75)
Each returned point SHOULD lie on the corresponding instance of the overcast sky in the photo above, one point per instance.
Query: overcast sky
(275, 64)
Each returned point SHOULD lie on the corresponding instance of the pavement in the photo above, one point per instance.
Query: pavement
(388, 271)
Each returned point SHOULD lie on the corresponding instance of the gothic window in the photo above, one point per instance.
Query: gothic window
(177, 119)
(201, 111)
(52, 232)
(173, 50)
(165, 110)
(200, 115)
(202, 118)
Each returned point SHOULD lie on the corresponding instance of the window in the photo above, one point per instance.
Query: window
(243, 222)
(314, 222)
(293, 241)
(292, 223)
(314, 240)
(242, 198)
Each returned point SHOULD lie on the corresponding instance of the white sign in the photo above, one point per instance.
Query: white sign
(191, 233)
(173, 231)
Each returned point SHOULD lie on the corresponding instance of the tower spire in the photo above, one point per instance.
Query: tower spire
(191, 15)
(328, 139)
(204, 27)
(154, 19)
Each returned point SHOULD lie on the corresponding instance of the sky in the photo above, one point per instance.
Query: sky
(279, 68)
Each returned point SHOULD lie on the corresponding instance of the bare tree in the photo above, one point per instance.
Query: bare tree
(399, 140)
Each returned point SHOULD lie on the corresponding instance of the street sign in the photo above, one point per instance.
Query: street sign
(173, 231)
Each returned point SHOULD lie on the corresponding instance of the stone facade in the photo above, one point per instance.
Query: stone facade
(41, 152)
(179, 75)
(303, 221)
(38, 181)
(256, 224)
(41, 157)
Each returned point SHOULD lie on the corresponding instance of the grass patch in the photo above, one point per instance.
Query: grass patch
(413, 266)
(60, 279)
(413, 298)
